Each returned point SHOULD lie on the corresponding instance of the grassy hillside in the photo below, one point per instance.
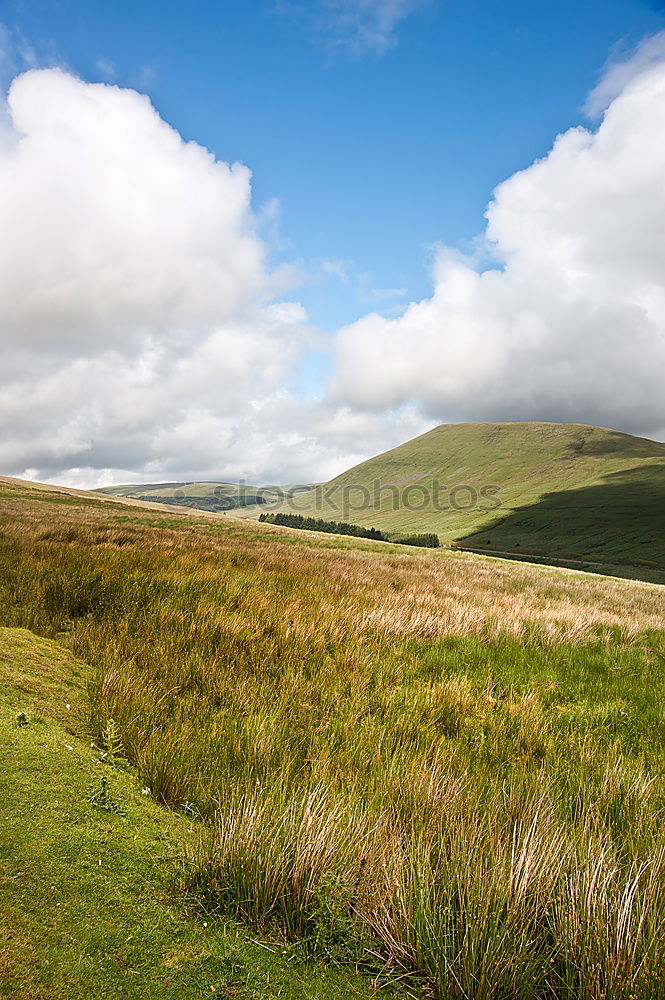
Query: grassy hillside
(435, 763)
(214, 497)
(90, 905)
(562, 490)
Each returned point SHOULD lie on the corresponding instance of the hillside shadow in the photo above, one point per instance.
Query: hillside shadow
(590, 444)
(619, 521)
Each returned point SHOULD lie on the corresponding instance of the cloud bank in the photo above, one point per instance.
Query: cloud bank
(139, 333)
(571, 323)
(143, 335)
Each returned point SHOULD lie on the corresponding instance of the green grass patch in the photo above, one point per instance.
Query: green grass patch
(91, 900)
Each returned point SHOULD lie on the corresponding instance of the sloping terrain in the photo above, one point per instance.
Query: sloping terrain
(89, 905)
(434, 767)
(559, 490)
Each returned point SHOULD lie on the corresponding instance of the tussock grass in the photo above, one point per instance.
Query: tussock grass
(448, 765)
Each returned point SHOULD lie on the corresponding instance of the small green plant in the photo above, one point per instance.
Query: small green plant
(102, 799)
(333, 929)
(113, 749)
(22, 720)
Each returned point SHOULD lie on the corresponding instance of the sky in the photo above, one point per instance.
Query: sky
(266, 240)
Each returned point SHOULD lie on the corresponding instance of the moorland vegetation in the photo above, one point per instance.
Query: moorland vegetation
(444, 764)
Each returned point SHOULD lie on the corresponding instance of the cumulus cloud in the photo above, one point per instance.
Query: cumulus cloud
(117, 225)
(571, 324)
(134, 295)
(139, 336)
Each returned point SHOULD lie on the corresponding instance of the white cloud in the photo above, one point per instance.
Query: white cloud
(572, 326)
(134, 317)
(357, 28)
(366, 26)
(622, 66)
(137, 336)
(116, 225)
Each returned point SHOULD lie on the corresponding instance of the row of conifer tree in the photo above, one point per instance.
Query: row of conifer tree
(428, 540)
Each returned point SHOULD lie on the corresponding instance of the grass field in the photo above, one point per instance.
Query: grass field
(438, 764)
(563, 490)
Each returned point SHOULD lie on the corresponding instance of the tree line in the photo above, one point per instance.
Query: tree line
(428, 540)
(301, 522)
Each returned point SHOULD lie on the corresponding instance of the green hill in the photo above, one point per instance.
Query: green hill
(215, 496)
(554, 490)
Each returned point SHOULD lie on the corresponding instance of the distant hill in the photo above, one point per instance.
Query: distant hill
(215, 497)
(553, 490)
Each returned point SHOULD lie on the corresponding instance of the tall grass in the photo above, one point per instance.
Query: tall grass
(448, 765)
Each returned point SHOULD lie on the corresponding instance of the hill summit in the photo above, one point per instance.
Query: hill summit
(556, 490)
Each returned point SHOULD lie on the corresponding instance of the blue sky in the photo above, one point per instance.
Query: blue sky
(373, 156)
(434, 229)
